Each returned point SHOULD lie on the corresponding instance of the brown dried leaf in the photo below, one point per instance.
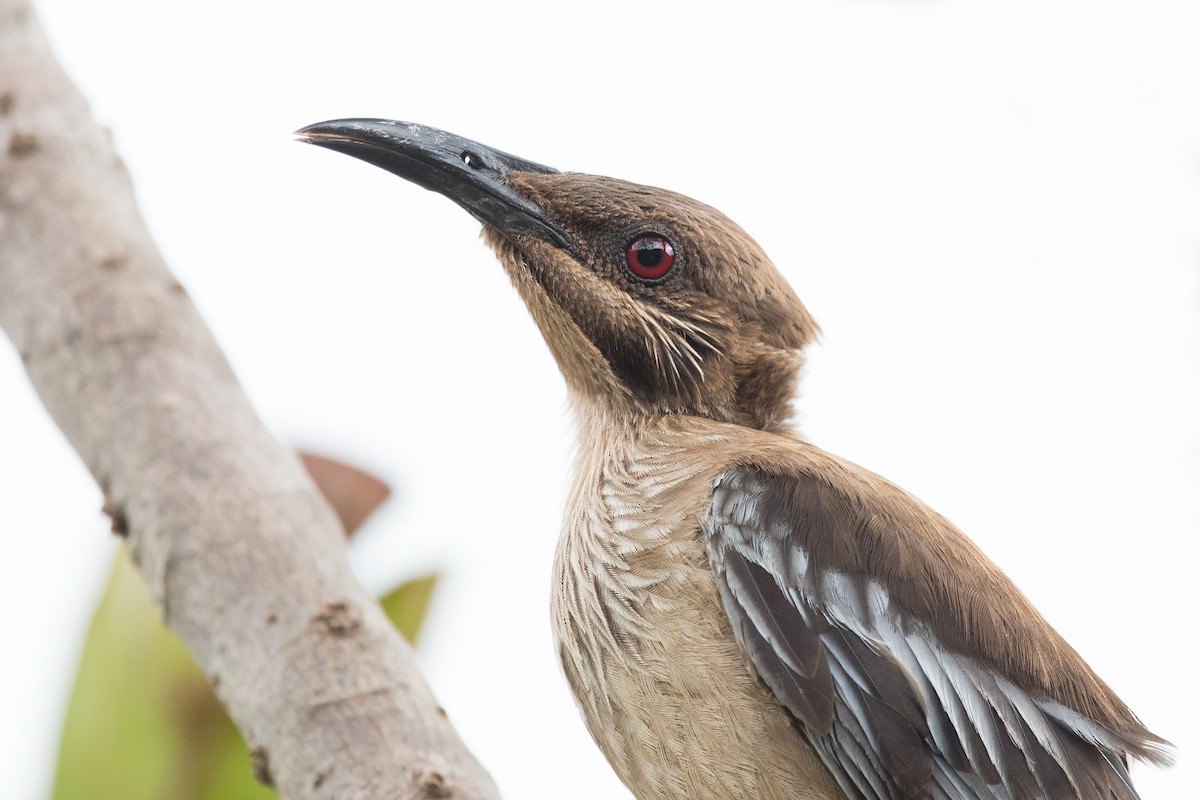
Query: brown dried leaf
(354, 494)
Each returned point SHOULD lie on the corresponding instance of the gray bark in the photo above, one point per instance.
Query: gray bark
(239, 550)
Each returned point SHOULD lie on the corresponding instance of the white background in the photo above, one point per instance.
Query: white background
(994, 214)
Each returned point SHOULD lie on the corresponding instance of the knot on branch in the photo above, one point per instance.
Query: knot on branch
(262, 766)
(116, 513)
(340, 618)
(22, 144)
(433, 784)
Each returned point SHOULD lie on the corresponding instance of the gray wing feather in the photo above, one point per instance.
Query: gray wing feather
(892, 712)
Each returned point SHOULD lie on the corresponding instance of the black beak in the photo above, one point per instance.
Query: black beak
(470, 174)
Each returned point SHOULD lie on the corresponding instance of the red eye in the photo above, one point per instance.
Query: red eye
(650, 256)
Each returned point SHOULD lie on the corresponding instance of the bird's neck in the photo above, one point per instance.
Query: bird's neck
(601, 426)
(607, 436)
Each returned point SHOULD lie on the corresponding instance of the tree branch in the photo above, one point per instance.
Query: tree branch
(239, 550)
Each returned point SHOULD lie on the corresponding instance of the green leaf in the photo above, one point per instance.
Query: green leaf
(406, 605)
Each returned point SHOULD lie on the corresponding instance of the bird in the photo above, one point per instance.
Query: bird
(739, 614)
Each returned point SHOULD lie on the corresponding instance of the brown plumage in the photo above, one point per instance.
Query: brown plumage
(740, 614)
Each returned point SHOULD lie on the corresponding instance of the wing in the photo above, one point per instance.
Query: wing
(912, 664)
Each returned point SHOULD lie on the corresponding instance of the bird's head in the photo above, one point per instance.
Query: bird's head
(651, 302)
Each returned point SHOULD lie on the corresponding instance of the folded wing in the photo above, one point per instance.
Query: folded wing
(912, 664)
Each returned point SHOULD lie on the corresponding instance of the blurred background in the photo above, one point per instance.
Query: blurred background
(993, 212)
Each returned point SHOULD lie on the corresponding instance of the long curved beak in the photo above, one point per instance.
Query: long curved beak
(471, 174)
